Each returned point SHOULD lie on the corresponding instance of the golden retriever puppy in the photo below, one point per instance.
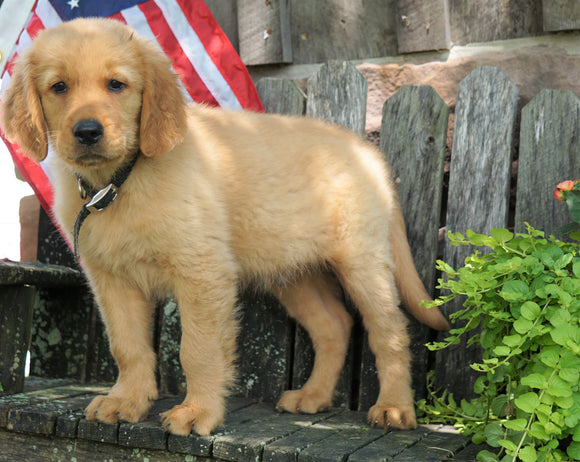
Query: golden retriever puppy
(209, 199)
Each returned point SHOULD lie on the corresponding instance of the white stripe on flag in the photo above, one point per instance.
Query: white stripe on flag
(135, 18)
(5, 82)
(197, 55)
(47, 14)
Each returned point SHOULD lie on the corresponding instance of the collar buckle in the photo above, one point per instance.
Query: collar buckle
(82, 191)
(102, 199)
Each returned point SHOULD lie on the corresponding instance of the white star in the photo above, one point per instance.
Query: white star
(73, 4)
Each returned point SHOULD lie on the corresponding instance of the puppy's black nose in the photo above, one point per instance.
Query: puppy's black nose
(88, 132)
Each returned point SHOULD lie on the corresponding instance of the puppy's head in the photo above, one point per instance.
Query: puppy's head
(97, 92)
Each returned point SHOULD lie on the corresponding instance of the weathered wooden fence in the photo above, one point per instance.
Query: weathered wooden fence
(481, 192)
(68, 339)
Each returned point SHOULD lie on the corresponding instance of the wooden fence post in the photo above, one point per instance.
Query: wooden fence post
(337, 93)
(281, 96)
(549, 154)
(62, 318)
(479, 188)
(16, 306)
(413, 136)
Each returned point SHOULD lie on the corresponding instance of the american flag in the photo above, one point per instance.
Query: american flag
(210, 68)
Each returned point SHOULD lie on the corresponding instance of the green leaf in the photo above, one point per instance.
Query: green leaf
(516, 424)
(564, 402)
(499, 404)
(509, 445)
(576, 269)
(501, 235)
(563, 261)
(535, 381)
(528, 454)
(569, 375)
(502, 350)
(487, 456)
(530, 310)
(574, 450)
(566, 335)
(558, 317)
(549, 356)
(468, 408)
(537, 431)
(559, 387)
(523, 325)
(493, 433)
(477, 239)
(512, 340)
(527, 402)
(513, 291)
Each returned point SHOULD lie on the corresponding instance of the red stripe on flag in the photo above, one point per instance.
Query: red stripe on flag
(170, 45)
(34, 26)
(221, 52)
(119, 17)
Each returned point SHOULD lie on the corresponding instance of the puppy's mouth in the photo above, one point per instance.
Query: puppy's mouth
(90, 159)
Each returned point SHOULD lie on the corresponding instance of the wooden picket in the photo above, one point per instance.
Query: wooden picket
(479, 186)
(549, 154)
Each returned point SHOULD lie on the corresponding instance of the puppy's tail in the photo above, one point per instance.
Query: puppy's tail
(411, 289)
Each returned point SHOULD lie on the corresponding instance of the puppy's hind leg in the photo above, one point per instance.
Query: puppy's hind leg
(314, 302)
(370, 283)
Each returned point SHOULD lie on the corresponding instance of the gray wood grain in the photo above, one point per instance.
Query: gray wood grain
(422, 26)
(264, 31)
(337, 93)
(479, 188)
(281, 96)
(16, 307)
(487, 20)
(413, 138)
(549, 154)
(342, 29)
(264, 347)
(561, 15)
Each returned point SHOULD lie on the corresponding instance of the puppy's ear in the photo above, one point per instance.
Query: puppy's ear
(22, 116)
(163, 116)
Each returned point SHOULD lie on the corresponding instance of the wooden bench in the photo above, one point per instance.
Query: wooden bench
(471, 186)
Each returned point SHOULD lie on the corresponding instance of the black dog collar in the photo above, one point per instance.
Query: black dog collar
(100, 199)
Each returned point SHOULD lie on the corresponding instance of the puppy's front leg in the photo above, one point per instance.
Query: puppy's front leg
(208, 344)
(127, 315)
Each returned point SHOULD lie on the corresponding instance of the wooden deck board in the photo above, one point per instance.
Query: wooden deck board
(48, 425)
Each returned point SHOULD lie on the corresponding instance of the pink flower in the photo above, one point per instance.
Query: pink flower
(559, 192)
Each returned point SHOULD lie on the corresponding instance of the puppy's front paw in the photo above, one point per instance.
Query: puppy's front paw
(303, 402)
(387, 416)
(111, 409)
(183, 418)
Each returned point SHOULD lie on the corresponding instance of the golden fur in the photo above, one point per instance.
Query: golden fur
(216, 198)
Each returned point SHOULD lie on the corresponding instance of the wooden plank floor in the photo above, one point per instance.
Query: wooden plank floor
(46, 423)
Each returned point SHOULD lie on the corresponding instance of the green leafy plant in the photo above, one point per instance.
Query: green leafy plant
(524, 300)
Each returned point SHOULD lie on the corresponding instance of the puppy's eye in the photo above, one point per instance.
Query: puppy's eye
(116, 86)
(59, 88)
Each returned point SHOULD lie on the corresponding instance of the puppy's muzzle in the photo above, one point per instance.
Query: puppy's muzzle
(88, 132)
